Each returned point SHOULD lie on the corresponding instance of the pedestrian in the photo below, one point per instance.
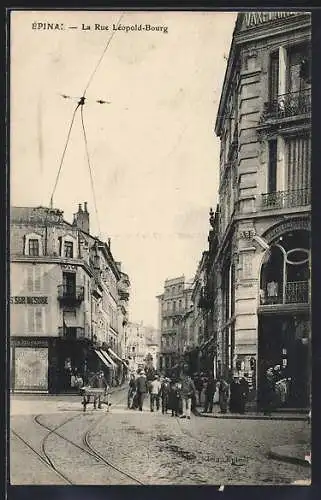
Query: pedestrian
(98, 381)
(165, 389)
(223, 395)
(235, 395)
(199, 385)
(209, 394)
(173, 399)
(131, 391)
(141, 388)
(268, 391)
(244, 394)
(155, 390)
(188, 388)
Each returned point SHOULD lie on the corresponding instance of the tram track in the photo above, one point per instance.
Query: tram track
(87, 448)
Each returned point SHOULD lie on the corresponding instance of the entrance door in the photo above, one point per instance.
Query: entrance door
(282, 342)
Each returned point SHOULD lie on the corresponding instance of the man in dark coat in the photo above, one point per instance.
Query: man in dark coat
(209, 394)
(165, 389)
(235, 390)
(142, 389)
(244, 393)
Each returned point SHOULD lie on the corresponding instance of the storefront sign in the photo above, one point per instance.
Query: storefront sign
(255, 18)
(29, 342)
(28, 300)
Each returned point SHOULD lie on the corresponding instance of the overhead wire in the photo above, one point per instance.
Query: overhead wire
(64, 153)
(102, 56)
(89, 166)
(80, 104)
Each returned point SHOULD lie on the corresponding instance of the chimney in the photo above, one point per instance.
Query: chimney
(81, 218)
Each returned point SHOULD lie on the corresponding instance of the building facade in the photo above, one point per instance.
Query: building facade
(175, 305)
(66, 300)
(260, 257)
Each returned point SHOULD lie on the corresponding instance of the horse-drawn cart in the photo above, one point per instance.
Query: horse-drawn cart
(97, 396)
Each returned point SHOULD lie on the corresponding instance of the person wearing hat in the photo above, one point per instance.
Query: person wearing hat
(141, 388)
(155, 390)
(165, 389)
(98, 381)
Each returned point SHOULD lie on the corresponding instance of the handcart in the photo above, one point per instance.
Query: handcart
(97, 396)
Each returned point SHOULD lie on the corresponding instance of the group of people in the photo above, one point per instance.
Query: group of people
(175, 395)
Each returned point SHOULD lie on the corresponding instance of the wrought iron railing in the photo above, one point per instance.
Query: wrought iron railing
(75, 333)
(296, 292)
(286, 105)
(286, 199)
(67, 292)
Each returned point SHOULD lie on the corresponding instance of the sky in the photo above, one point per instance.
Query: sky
(153, 151)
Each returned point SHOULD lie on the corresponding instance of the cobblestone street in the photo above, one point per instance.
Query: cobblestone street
(130, 447)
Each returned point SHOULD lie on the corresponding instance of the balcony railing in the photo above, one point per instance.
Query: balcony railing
(287, 105)
(296, 292)
(286, 199)
(72, 333)
(70, 294)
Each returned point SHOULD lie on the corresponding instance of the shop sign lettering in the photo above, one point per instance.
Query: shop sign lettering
(255, 18)
(28, 300)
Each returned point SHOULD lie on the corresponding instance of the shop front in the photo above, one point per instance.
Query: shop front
(29, 364)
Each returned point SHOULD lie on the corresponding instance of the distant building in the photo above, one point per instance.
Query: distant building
(69, 300)
(174, 311)
(259, 272)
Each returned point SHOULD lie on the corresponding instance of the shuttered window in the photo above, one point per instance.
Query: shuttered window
(298, 163)
(274, 76)
(35, 319)
(33, 278)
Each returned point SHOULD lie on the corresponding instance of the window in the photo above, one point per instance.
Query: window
(174, 305)
(69, 283)
(298, 163)
(272, 166)
(33, 278)
(274, 76)
(68, 249)
(296, 78)
(34, 247)
(35, 321)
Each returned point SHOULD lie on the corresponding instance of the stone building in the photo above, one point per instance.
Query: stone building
(67, 300)
(260, 241)
(174, 321)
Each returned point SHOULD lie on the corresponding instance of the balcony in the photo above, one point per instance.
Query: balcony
(287, 105)
(72, 333)
(296, 292)
(286, 199)
(68, 295)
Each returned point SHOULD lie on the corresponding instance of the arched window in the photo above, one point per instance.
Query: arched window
(33, 245)
(285, 272)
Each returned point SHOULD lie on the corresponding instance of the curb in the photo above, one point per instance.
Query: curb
(228, 416)
(277, 455)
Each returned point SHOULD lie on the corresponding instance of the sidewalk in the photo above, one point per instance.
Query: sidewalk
(298, 453)
(250, 415)
(32, 404)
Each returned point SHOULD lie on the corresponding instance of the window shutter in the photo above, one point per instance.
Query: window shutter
(30, 279)
(39, 319)
(37, 281)
(274, 76)
(31, 318)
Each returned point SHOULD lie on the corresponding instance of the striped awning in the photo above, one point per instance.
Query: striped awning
(103, 359)
(108, 358)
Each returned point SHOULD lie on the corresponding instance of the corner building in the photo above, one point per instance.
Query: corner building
(262, 254)
(69, 301)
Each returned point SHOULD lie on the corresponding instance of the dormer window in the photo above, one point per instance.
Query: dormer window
(33, 245)
(68, 249)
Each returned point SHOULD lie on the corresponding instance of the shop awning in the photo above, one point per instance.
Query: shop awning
(115, 355)
(103, 359)
(108, 359)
